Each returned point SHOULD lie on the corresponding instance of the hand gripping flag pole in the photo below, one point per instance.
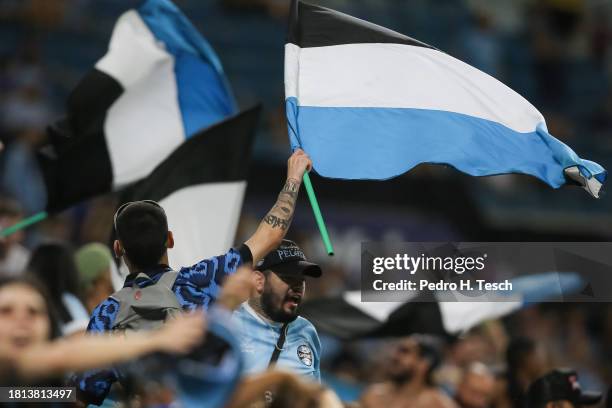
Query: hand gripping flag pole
(317, 214)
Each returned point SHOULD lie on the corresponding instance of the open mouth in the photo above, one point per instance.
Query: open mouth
(21, 341)
(294, 300)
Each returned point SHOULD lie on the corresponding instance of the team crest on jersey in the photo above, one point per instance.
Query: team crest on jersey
(305, 354)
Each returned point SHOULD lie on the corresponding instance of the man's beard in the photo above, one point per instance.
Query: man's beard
(402, 377)
(276, 313)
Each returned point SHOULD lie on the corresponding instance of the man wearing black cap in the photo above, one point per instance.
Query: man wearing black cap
(269, 328)
(560, 389)
(143, 240)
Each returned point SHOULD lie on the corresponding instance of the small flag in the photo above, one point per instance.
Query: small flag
(348, 318)
(366, 102)
(201, 187)
(158, 85)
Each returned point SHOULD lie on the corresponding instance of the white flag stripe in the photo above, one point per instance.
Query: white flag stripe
(292, 70)
(402, 76)
(458, 317)
(203, 219)
(377, 310)
(132, 41)
(145, 124)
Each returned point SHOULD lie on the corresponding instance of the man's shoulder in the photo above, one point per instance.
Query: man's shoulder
(103, 315)
(109, 303)
(377, 394)
(305, 327)
(245, 313)
(239, 312)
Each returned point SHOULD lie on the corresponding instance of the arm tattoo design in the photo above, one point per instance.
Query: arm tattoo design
(275, 221)
(281, 214)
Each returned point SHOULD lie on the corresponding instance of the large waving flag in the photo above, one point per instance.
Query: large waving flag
(158, 85)
(201, 186)
(366, 102)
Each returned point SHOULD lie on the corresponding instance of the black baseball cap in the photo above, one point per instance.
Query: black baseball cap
(288, 259)
(560, 385)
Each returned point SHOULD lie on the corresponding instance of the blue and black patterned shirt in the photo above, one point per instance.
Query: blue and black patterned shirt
(195, 287)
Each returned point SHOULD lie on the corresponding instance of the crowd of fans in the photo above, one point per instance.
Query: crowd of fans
(555, 52)
(42, 341)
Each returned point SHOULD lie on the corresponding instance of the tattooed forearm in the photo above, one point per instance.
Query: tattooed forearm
(274, 221)
(281, 214)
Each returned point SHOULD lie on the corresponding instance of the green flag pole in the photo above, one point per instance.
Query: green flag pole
(23, 224)
(318, 216)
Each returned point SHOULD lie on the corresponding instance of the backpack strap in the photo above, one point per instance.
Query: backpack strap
(168, 278)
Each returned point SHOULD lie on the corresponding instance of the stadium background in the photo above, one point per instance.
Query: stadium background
(556, 53)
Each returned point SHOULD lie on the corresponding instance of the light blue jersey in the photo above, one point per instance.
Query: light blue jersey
(258, 338)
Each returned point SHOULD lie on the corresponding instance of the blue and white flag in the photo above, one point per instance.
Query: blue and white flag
(158, 85)
(366, 102)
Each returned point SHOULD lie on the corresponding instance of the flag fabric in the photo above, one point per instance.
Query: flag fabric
(201, 186)
(348, 318)
(366, 102)
(158, 85)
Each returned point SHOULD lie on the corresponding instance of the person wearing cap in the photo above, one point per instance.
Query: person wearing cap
(410, 377)
(560, 389)
(143, 241)
(94, 265)
(268, 326)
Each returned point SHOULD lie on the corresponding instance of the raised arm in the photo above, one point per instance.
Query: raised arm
(275, 224)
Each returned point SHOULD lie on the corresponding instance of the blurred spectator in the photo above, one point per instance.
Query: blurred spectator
(95, 225)
(53, 264)
(508, 17)
(560, 389)
(27, 325)
(26, 108)
(477, 387)
(26, 317)
(525, 362)
(555, 30)
(482, 46)
(13, 256)
(410, 377)
(94, 265)
(19, 164)
(480, 345)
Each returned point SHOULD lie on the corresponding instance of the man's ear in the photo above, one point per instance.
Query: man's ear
(170, 240)
(260, 280)
(118, 249)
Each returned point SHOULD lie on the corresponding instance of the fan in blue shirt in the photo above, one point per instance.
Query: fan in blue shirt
(270, 321)
(143, 241)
